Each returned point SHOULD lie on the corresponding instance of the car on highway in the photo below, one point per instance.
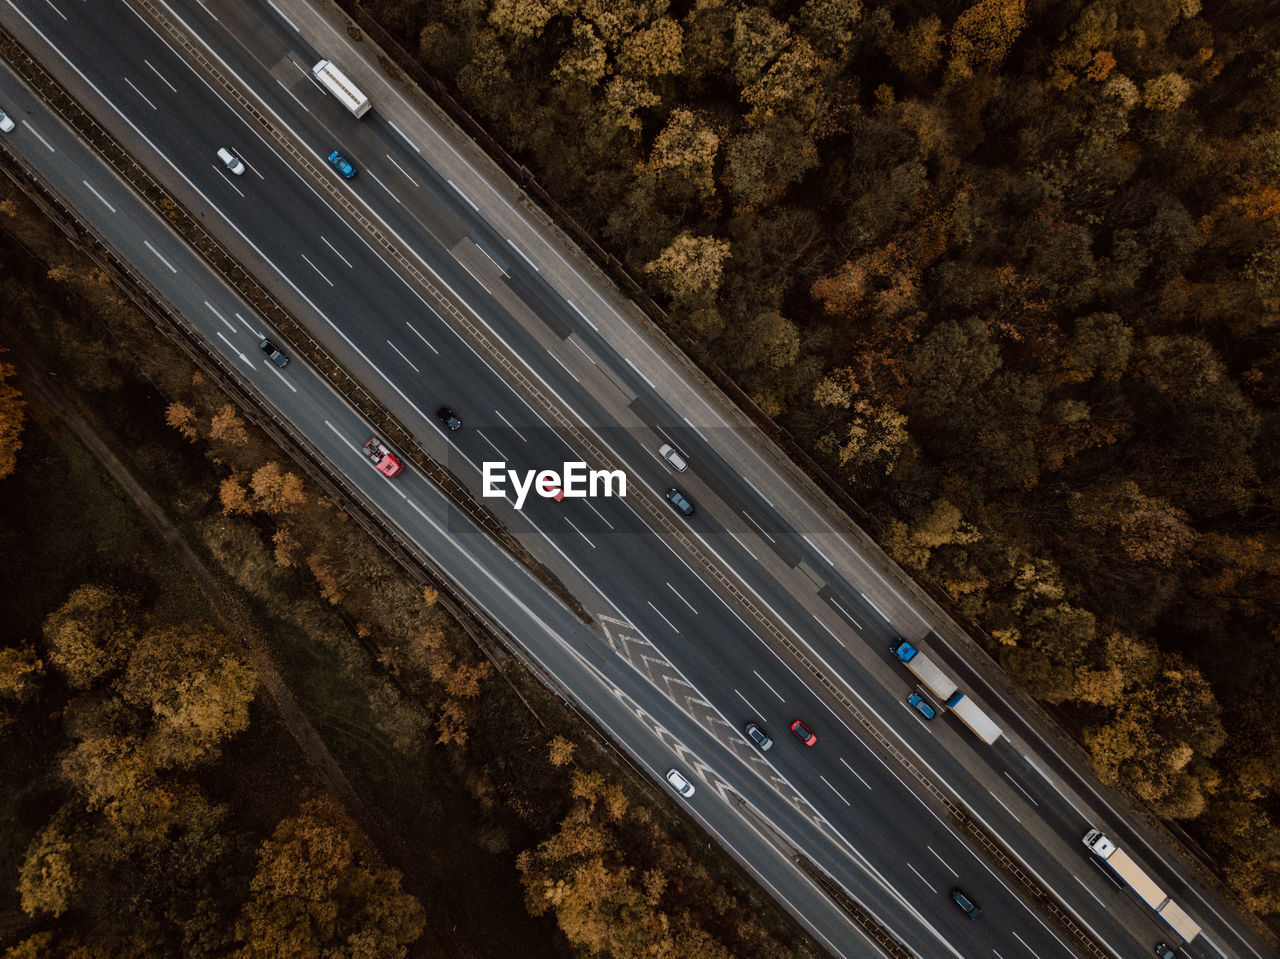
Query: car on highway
(342, 165)
(382, 457)
(803, 733)
(6, 122)
(680, 502)
(922, 706)
(274, 354)
(757, 736)
(555, 491)
(449, 418)
(679, 783)
(230, 161)
(967, 905)
(675, 459)
(1163, 951)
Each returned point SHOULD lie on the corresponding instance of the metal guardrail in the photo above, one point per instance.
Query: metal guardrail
(241, 280)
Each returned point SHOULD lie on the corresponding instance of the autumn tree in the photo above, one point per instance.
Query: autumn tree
(20, 673)
(90, 634)
(50, 875)
(194, 688)
(690, 268)
(983, 34)
(13, 414)
(315, 894)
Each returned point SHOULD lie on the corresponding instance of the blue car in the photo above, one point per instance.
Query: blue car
(922, 706)
(341, 165)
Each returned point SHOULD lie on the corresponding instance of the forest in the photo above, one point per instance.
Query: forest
(313, 759)
(1010, 271)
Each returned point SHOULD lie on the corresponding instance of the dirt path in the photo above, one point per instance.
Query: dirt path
(53, 412)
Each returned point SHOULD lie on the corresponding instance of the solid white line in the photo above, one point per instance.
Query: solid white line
(583, 315)
(759, 527)
(55, 9)
(141, 94)
(34, 133)
(274, 369)
(404, 136)
(855, 772)
(316, 268)
(207, 10)
(829, 630)
(760, 494)
(922, 878)
(497, 266)
(458, 190)
(943, 861)
(1021, 790)
(474, 275)
(383, 185)
(100, 197)
(157, 255)
(509, 426)
(874, 606)
(402, 170)
(495, 448)
(817, 550)
(838, 793)
(745, 547)
(337, 251)
(402, 356)
(583, 352)
(423, 338)
(750, 704)
(236, 350)
(598, 513)
(847, 615)
(283, 17)
(1091, 892)
(229, 325)
(160, 75)
(245, 324)
(1006, 808)
(566, 369)
(664, 619)
(294, 95)
(770, 688)
(593, 546)
(682, 599)
(1024, 942)
(524, 255)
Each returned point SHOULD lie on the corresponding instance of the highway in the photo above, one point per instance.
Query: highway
(428, 281)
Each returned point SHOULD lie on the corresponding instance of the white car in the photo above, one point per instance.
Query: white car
(6, 122)
(679, 783)
(673, 457)
(230, 161)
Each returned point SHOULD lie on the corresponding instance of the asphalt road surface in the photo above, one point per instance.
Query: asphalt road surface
(430, 282)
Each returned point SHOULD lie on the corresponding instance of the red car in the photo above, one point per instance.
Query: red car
(382, 458)
(803, 733)
(555, 491)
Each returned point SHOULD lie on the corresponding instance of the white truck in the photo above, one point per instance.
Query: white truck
(1118, 861)
(979, 723)
(344, 91)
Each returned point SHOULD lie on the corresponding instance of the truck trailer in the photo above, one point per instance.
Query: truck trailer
(937, 682)
(979, 723)
(1118, 861)
(343, 90)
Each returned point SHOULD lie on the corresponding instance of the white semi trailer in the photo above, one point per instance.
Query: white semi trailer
(343, 90)
(1148, 890)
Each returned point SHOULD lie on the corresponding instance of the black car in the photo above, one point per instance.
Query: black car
(1164, 952)
(961, 899)
(274, 354)
(758, 736)
(680, 501)
(449, 418)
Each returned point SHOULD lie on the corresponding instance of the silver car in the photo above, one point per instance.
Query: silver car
(675, 459)
(230, 161)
